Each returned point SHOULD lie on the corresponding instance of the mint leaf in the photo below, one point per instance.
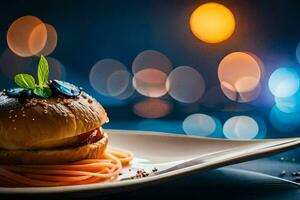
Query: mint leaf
(43, 71)
(25, 81)
(44, 92)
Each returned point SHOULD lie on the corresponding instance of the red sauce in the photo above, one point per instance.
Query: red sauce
(87, 138)
(90, 137)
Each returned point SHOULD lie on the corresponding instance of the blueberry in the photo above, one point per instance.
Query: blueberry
(65, 88)
(14, 92)
(24, 95)
(20, 93)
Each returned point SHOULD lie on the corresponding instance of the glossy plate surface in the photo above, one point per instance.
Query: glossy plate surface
(164, 151)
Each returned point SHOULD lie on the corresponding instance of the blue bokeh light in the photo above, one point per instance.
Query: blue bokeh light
(288, 104)
(199, 124)
(284, 82)
(283, 121)
(240, 128)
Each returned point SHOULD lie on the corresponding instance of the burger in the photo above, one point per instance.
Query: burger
(52, 122)
(51, 135)
(56, 130)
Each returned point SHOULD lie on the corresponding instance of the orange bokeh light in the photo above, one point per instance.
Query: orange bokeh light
(37, 39)
(51, 40)
(239, 74)
(152, 108)
(150, 82)
(212, 23)
(27, 36)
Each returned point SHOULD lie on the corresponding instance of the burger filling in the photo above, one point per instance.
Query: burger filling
(89, 137)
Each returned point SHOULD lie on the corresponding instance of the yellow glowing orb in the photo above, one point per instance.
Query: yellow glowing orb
(212, 23)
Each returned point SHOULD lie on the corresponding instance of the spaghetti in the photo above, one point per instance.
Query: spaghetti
(104, 169)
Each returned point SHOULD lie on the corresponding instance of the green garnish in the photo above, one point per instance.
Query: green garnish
(43, 71)
(27, 81)
(43, 92)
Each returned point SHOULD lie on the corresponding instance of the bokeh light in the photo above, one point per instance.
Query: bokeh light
(116, 82)
(150, 82)
(259, 62)
(51, 40)
(212, 23)
(229, 91)
(152, 108)
(240, 70)
(185, 84)
(240, 128)
(241, 97)
(284, 82)
(128, 92)
(151, 59)
(199, 124)
(283, 121)
(109, 77)
(251, 95)
(37, 39)
(27, 36)
(239, 74)
(288, 104)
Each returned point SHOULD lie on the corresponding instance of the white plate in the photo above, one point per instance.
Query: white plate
(160, 150)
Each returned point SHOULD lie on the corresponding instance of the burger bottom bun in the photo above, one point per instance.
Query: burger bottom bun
(55, 156)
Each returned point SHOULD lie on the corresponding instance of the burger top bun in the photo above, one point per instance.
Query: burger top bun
(40, 121)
